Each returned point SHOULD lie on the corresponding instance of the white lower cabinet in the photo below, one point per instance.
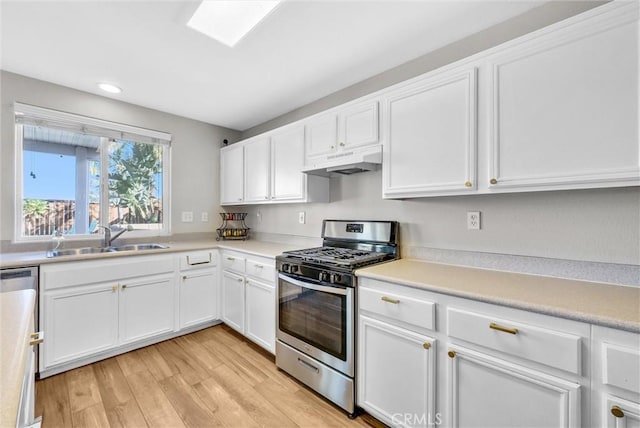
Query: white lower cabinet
(493, 366)
(490, 392)
(79, 321)
(397, 373)
(146, 307)
(95, 309)
(233, 300)
(198, 283)
(615, 401)
(249, 297)
(261, 313)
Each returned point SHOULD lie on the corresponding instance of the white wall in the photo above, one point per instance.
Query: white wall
(591, 225)
(194, 150)
(601, 225)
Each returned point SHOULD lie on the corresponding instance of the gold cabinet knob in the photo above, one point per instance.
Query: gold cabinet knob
(451, 354)
(617, 412)
(114, 288)
(426, 345)
(468, 184)
(493, 181)
(124, 286)
(333, 147)
(341, 144)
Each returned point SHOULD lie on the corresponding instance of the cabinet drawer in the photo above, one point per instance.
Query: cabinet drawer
(198, 259)
(233, 261)
(396, 306)
(541, 345)
(261, 269)
(621, 367)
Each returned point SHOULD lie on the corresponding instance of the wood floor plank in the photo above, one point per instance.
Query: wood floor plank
(214, 377)
(226, 409)
(303, 411)
(52, 396)
(93, 416)
(155, 363)
(83, 388)
(156, 408)
(130, 363)
(181, 362)
(193, 412)
(119, 403)
(250, 400)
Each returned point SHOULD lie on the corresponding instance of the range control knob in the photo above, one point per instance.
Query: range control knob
(285, 267)
(335, 278)
(323, 276)
(294, 269)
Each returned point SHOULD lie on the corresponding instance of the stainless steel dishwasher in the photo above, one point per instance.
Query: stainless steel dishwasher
(25, 278)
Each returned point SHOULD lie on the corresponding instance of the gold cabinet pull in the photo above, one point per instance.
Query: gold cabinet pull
(468, 184)
(37, 339)
(498, 327)
(451, 354)
(114, 288)
(389, 300)
(617, 412)
(124, 286)
(426, 345)
(493, 181)
(230, 258)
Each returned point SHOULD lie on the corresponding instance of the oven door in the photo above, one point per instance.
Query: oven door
(318, 320)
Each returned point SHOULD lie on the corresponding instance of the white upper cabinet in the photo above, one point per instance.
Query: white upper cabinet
(268, 169)
(430, 136)
(231, 175)
(287, 157)
(340, 131)
(564, 105)
(257, 169)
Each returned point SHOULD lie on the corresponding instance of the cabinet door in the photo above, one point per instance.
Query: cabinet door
(79, 321)
(489, 392)
(232, 174)
(257, 160)
(233, 301)
(261, 314)
(565, 107)
(621, 413)
(431, 137)
(321, 135)
(396, 374)
(287, 158)
(198, 297)
(359, 126)
(146, 307)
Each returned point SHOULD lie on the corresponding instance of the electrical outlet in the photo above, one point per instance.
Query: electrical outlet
(301, 217)
(187, 216)
(204, 216)
(259, 215)
(473, 220)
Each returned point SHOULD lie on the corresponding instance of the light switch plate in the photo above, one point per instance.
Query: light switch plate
(302, 217)
(187, 216)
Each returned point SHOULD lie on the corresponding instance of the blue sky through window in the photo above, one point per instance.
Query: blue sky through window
(48, 176)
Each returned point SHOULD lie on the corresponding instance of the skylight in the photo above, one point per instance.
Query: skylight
(229, 21)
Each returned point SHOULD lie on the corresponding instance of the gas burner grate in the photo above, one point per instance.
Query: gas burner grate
(336, 255)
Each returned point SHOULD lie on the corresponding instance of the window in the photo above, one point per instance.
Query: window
(76, 173)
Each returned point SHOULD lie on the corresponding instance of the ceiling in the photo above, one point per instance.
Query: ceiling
(303, 51)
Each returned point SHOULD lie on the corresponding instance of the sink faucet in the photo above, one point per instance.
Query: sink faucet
(108, 238)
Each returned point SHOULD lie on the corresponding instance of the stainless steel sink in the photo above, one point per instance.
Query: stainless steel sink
(77, 251)
(139, 247)
(97, 250)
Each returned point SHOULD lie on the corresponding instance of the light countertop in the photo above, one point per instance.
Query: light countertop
(260, 248)
(16, 312)
(608, 305)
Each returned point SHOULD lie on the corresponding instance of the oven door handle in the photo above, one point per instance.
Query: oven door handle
(331, 290)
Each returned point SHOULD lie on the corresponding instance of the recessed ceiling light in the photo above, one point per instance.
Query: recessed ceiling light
(108, 87)
(229, 21)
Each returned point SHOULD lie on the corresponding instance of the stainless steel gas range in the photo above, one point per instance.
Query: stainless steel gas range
(316, 325)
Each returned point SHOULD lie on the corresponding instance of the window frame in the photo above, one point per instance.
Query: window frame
(32, 115)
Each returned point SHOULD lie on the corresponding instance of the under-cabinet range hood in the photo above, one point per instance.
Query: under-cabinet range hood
(346, 163)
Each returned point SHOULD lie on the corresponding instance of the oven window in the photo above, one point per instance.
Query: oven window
(315, 317)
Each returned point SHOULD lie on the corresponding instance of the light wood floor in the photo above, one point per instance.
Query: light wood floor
(211, 378)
